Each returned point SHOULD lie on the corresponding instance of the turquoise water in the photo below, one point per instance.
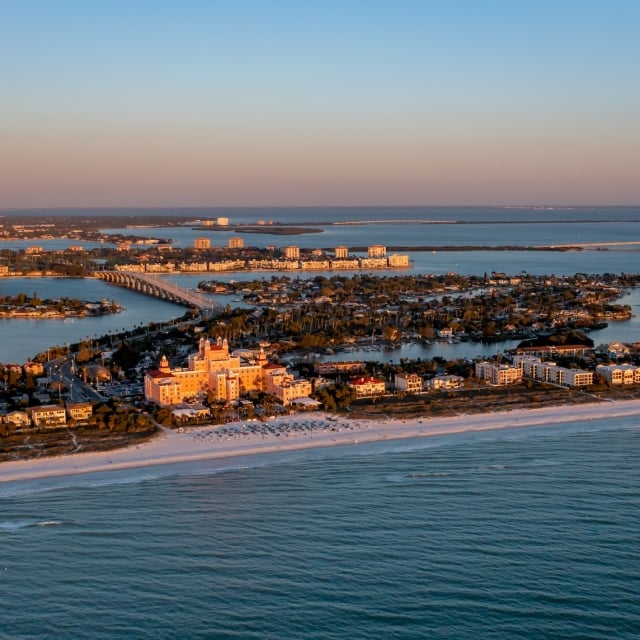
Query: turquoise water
(528, 533)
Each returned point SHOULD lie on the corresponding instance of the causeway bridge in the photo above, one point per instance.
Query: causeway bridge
(152, 284)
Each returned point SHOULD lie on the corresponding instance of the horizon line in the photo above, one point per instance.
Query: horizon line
(549, 206)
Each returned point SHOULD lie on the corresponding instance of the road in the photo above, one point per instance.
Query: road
(62, 370)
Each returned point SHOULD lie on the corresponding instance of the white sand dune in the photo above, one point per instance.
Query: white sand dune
(298, 432)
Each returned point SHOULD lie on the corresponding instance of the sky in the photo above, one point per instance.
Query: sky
(122, 103)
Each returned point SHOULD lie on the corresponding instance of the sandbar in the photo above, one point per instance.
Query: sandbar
(300, 431)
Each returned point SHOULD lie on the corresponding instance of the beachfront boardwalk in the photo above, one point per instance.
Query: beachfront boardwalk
(153, 285)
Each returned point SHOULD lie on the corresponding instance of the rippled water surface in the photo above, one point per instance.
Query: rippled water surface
(531, 533)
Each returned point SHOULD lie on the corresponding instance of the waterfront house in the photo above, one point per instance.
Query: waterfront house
(79, 411)
(48, 415)
(408, 382)
(367, 387)
(18, 419)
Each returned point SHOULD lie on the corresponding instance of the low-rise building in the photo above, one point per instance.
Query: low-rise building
(344, 263)
(373, 263)
(33, 368)
(619, 374)
(330, 367)
(408, 382)
(397, 260)
(17, 419)
(439, 383)
(48, 415)
(79, 411)
(367, 387)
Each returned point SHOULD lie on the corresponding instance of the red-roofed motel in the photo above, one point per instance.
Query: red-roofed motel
(213, 369)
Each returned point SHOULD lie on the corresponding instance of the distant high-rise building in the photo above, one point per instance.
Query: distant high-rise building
(202, 243)
(222, 222)
(292, 252)
(377, 251)
(341, 252)
(235, 243)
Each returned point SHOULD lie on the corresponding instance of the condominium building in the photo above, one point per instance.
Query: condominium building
(235, 243)
(498, 374)
(202, 243)
(344, 263)
(341, 252)
(377, 251)
(292, 252)
(397, 260)
(373, 263)
(617, 374)
(546, 371)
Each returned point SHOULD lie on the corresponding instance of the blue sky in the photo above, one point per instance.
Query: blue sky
(238, 102)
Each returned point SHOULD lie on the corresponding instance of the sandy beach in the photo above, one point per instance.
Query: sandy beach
(300, 431)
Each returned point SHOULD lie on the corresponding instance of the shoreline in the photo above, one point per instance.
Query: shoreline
(303, 431)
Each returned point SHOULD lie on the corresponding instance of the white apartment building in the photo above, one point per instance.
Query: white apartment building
(534, 368)
(48, 415)
(498, 374)
(616, 374)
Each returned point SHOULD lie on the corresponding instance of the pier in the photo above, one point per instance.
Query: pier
(153, 285)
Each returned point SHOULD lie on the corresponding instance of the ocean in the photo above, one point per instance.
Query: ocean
(527, 533)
